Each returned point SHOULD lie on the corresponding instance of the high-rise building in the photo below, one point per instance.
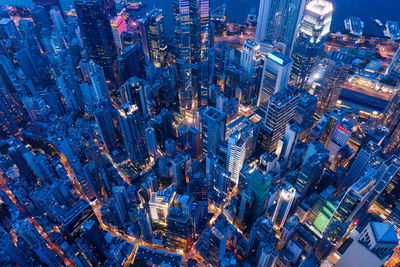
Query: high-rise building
(133, 132)
(217, 176)
(131, 62)
(192, 37)
(156, 42)
(151, 140)
(281, 109)
(118, 26)
(133, 93)
(213, 127)
(105, 126)
(285, 201)
(331, 86)
(310, 173)
(310, 41)
(194, 142)
(10, 114)
(278, 22)
(145, 224)
(373, 246)
(275, 76)
(394, 66)
(236, 155)
(97, 35)
(250, 58)
(339, 137)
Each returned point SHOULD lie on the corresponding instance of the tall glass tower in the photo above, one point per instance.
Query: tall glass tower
(97, 34)
(192, 37)
(278, 21)
(310, 42)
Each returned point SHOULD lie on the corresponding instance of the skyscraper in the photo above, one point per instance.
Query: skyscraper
(310, 41)
(192, 37)
(275, 76)
(133, 132)
(156, 42)
(213, 127)
(145, 224)
(335, 75)
(105, 126)
(131, 62)
(236, 154)
(97, 35)
(285, 201)
(281, 109)
(249, 59)
(118, 26)
(278, 22)
(133, 92)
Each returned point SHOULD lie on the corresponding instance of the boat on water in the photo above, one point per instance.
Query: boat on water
(354, 25)
(135, 5)
(377, 21)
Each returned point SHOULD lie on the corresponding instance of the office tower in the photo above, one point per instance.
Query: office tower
(216, 175)
(133, 132)
(278, 22)
(347, 207)
(6, 74)
(310, 41)
(194, 142)
(281, 109)
(236, 155)
(286, 145)
(93, 179)
(373, 246)
(332, 83)
(16, 153)
(394, 66)
(246, 203)
(41, 18)
(118, 26)
(213, 127)
(105, 126)
(182, 30)
(249, 59)
(57, 19)
(262, 230)
(391, 120)
(179, 164)
(182, 137)
(131, 62)
(133, 93)
(275, 76)
(98, 81)
(151, 140)
(339, 137)
(10, 114)
(260, 185)
(191, 28)
(97, 36)
(285, 201)
(212, 244)
(310, 173)
(145, 224)
(120, 196)
(305, 110)
(156, 42)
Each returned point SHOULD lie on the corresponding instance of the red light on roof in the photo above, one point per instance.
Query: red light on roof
(343, 129)
(134, 23)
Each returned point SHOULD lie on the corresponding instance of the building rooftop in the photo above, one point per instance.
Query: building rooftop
(384, 232)
(157, 257)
